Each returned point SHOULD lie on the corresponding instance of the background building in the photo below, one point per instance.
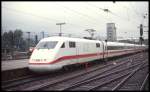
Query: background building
(111, 32)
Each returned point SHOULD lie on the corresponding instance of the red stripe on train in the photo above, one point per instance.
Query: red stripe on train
(69, 57)
(75, 57)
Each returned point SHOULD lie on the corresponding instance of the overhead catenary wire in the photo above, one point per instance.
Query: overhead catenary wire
(131, 20)
(89, 19)
(95, 7)
(41, 17)
(92, 19)
(82, 14)
(135, 11)
(108, 11)
(29, 28)
(140, 15)
(30, 14)
(97, 13)
(127, 10)
(26, 13)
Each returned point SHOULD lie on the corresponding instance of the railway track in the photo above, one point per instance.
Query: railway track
(45, 81)
(93, 82)
(133, 81)
(59, 84)
(29, 77)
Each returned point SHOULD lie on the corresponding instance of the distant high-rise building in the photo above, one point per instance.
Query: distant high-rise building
(111, 32)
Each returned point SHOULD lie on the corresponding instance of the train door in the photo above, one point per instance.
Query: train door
(77, 50)
(72, 51)
(98, 45)
(103, 50)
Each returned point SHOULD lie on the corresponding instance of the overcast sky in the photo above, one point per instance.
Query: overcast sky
(36, 17)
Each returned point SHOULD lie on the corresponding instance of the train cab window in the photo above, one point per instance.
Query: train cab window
(97, 45)
(63, 45)
(72, 44)
(47, 45)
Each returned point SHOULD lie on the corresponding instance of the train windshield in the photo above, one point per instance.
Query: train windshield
(47, 45)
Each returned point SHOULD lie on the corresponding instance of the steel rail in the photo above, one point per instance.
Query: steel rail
(11, 85)
(39, 87)
(126, 78)
(23, 80)
(13, 80)
(102, 76)
(144, 82)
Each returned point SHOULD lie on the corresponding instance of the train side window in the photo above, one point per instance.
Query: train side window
(72, 44)
(63, 45)
(97, 45)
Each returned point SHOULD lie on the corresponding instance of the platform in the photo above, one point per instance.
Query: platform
(14, 64)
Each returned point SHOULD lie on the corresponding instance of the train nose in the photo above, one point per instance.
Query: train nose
(41, 61)
(42, 56)
(43, 68)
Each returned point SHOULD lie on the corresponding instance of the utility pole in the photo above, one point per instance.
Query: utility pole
(106, 48)
(60, 34)
(91, 32)
(28, 40)
(36, 39)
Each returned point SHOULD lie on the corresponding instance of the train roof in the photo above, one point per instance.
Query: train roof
(115, 44)
(58, 38)
(121, 44)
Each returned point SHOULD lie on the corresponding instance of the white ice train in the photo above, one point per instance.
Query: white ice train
(54, 53)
